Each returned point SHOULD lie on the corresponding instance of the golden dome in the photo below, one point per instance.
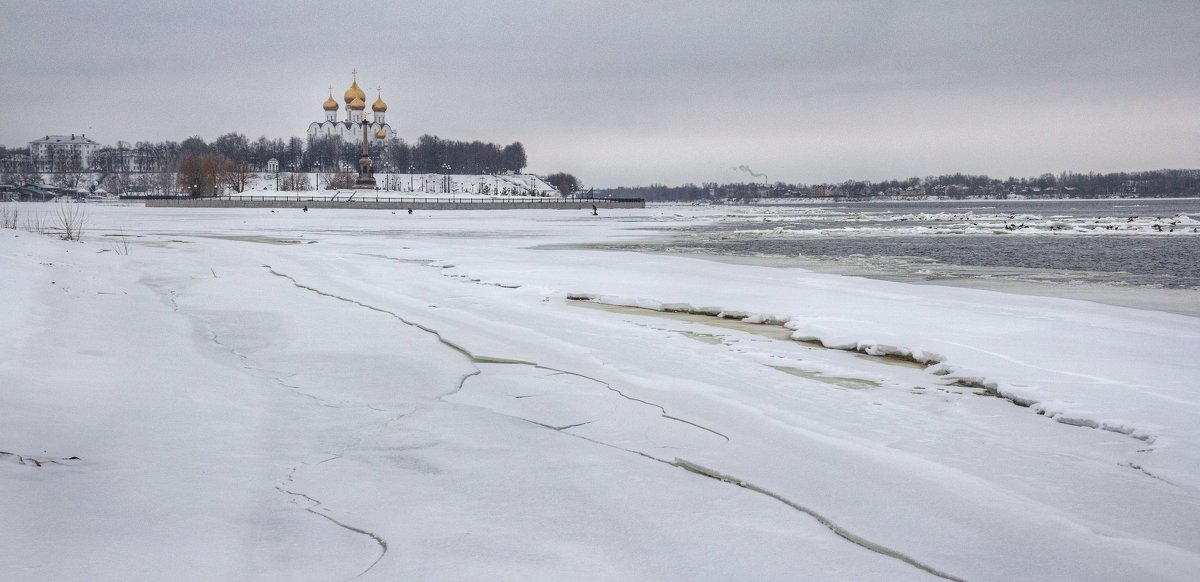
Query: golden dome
(354, 93)
(357, 104)
(379, 106)
(380, 133)
(330, 104)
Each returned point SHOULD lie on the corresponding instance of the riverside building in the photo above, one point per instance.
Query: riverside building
(57, 153)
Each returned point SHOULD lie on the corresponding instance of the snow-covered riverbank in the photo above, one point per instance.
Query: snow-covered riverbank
(255, 394)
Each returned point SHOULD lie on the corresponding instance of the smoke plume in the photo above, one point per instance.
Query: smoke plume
(745, 168)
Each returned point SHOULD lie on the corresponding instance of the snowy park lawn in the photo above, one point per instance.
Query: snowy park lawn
(488, 186)
(236, 394)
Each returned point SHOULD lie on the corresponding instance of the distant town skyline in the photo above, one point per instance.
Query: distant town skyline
(639, 94)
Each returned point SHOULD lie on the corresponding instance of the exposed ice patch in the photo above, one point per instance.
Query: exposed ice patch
(820, 334)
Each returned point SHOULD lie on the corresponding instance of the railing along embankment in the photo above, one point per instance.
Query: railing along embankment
(386, 203)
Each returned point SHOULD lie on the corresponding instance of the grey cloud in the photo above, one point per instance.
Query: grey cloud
(640, 92)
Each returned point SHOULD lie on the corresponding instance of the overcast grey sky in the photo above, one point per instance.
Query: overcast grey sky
(638, 92)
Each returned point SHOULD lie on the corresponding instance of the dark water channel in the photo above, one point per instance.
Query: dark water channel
(879, 238)
(1172, 262)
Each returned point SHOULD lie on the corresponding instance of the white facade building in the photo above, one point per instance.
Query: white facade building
(123, 160)
(54, 153)
(350, 129)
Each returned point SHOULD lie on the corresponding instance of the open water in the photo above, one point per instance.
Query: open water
(1139, 243)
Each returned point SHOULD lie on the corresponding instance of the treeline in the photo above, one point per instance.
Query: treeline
(951, 186)
(685, 193)
(158, 167)
(431, 154)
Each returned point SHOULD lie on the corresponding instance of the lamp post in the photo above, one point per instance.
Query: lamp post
(410, 177)
(446, 178)
(317, 164)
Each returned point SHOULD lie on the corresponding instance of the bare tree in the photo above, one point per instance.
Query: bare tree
(8, 216)
(121, 244)
(69, 172)
(166, 183)
(565, 183)
(34, 223)
(202, 174)
(72, 219)
(116, 182)
(238, 176)
(341, 180)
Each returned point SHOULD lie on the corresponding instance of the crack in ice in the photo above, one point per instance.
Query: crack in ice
(825, 521)
(677, 462)
(245, 362)
(35, 461)
(382, 543)
(476, 359)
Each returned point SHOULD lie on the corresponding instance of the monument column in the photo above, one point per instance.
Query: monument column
(366, 177)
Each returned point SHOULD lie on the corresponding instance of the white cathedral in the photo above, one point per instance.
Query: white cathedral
(350, 130)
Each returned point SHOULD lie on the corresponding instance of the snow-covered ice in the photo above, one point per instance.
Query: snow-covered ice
(279, 395)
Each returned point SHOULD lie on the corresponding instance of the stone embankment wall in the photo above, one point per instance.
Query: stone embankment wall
(396, 204)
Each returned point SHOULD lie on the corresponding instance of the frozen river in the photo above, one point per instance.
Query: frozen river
(215, 394)
(1128, 252)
